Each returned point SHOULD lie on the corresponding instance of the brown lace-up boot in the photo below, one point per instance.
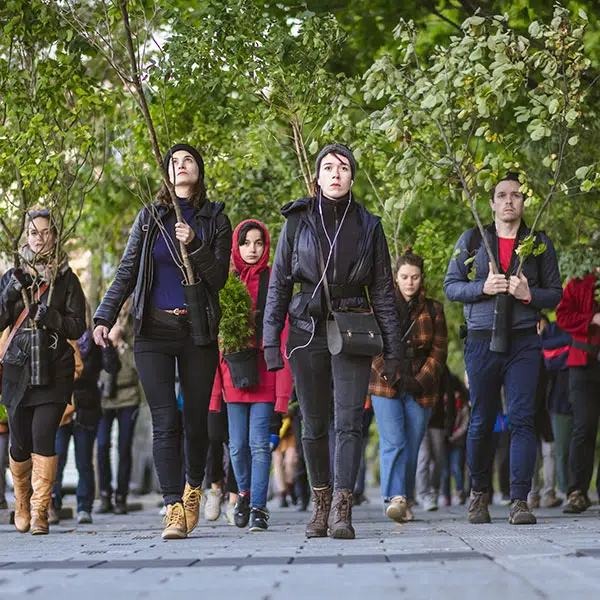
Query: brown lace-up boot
(21, 474)
(317, 526)
(341, 527)
(42, 479)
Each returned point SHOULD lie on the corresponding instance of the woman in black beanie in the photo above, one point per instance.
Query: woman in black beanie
(151, 269)
(330, 243)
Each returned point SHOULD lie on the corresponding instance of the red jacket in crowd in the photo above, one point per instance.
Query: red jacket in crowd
(574, 315)
(273, 387)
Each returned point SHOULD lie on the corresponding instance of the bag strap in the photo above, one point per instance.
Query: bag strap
(261, 301)
(41, 291)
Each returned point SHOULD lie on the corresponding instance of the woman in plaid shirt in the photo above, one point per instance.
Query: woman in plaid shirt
(402, 408)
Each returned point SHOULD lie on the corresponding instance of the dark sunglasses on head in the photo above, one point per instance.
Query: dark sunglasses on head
(33, 214)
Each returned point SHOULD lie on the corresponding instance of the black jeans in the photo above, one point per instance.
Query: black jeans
(584, 391)
(33, 430)
(318, 375)
(164, 342)
(218, 466)
(126, 417)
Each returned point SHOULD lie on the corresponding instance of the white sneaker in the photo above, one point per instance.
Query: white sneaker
(430, 504)
(396, 509)
(84, 517)
(163, 511)
(212, 508)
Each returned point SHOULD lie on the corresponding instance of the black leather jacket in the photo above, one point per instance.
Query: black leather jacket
(66, 322)
(209, 258)
(299, 263)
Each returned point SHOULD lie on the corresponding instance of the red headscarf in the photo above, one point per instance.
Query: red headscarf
(249, 274)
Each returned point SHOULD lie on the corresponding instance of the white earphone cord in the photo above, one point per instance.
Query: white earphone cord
(330, 254)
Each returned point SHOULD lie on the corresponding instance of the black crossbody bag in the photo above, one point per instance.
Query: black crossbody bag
(350, 332)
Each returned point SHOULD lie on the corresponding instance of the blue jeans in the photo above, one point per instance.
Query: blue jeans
(453, 465)
(402, 423)
(249, 447)
(488, 371)
(126, 417)
(84, 451)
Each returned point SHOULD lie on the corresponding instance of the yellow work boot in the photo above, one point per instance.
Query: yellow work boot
(191, 502)
(21, 474)
(42, 479)
(176, 528)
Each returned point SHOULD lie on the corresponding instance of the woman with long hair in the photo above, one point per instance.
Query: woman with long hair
(38, 368)
(402, 409)
(334, 250)
(250, 410)
(151, 269)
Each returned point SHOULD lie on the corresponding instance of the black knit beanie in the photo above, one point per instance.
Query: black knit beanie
(336, 149)
(187, 148)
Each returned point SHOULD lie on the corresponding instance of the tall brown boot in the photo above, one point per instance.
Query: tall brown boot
(341, 527)
(317, 526)
(21, 474)
(42, 480)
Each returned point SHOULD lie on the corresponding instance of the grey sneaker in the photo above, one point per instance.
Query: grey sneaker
(478, 512)
(84, 517)
(520, 514)
(212, 508)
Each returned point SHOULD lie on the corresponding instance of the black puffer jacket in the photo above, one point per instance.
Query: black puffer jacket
(65, 322)
(299, 263)
(209, 258)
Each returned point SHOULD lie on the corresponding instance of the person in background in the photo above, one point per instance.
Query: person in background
(403, 410)
(455, 445)
(220, 478)
(284, 463)
(546, 456)
(556, 344)
(121, 396)
(82, 424)
(579, 314)
(432, 452)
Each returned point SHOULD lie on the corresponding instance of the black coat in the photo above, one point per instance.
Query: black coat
(66, 321)
(85, 389)
(209, 258)
(299, 263)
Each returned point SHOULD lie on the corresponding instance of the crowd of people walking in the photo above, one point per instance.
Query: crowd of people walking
(339, 336)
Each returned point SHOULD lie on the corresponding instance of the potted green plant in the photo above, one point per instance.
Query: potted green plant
(236, 333)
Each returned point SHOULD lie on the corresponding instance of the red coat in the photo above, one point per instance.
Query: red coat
(273, 387)
(574, 315)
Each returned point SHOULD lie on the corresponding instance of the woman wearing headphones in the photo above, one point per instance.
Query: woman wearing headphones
(336, 251)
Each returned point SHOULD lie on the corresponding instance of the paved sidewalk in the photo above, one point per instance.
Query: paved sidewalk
(438, 555)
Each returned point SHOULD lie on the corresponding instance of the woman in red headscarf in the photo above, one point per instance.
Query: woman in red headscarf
(250, 409)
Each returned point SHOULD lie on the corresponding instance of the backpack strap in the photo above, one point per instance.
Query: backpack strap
(261, 301)
(291, 227)
(431, 309)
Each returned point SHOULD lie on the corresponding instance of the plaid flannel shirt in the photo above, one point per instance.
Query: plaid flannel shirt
(430, 341)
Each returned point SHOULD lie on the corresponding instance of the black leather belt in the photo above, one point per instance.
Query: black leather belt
(337, 291)
(486, 334)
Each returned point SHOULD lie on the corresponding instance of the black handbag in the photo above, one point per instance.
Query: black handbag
(353, 331)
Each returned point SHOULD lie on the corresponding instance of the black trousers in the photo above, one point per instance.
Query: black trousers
(33, 429)
(218, 466)
(318, 376)
(164, 344)
(584, 393)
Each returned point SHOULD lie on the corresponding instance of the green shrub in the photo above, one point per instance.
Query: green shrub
(236, 329)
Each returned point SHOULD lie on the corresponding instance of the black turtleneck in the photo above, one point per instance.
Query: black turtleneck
(344, 253)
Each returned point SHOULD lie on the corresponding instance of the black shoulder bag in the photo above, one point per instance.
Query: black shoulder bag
(350, 332)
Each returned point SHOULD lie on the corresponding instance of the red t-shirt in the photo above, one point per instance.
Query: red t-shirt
(505, 249)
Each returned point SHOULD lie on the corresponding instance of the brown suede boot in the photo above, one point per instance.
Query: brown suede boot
(21, 474)
(341, 527)
(42, 480)
(317, 526)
